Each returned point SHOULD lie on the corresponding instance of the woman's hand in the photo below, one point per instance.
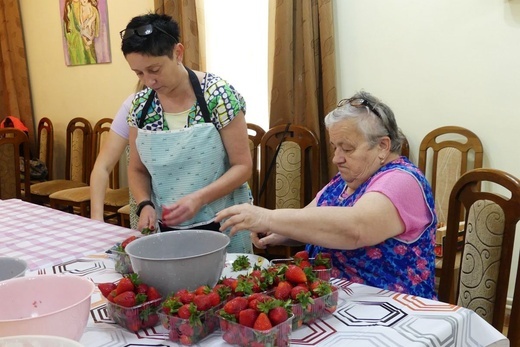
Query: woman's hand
(147, 220)
(181, 211)
(271, 239)
(244, 217)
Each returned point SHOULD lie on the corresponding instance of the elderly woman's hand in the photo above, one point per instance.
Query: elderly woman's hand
(270, 239)
(244, 217)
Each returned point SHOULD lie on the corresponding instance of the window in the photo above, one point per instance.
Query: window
(236, 50)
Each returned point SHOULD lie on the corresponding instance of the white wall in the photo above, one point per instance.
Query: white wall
(436, 63)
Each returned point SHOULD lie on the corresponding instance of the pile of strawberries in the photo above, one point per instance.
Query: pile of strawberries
(190, 316)
(260, 312)
(131, 303)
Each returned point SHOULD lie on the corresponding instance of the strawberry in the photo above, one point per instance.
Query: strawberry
(153, 294)
(302, 255)
(124, 285)
(106, 288)
(214, 298)
(127, 241)
(283, 290)
(186, 340)
(278, 315)
(112, 295)
(202, 290)
(141, 288)
(125, 299)
(305, 263)
(235, 305)
(248, 317)
(297, 290)
(295, 274)
(185, 296)
(184, 311)
(202, 302)
(262, 322)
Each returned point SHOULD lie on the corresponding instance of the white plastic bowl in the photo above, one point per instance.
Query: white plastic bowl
(12, 267)
(37, 341)
(179, 259)
(56, 305)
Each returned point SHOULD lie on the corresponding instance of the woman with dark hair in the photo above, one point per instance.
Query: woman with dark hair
(189, 151)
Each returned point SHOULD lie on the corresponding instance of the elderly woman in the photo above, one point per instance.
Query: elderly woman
(376, 217)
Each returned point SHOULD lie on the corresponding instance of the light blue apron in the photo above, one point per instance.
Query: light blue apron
(183, 161)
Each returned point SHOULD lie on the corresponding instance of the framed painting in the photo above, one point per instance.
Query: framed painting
(85, 32)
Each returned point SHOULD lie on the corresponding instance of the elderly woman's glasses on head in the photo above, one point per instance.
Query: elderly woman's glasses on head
(359, 102)
(142, 31)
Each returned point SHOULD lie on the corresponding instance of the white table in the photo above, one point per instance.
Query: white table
(366, 316)
(52, 241)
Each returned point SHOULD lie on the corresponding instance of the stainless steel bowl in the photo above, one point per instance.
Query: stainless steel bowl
(179, 259)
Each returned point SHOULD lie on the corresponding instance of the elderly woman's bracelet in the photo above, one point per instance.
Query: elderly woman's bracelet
(142, 204)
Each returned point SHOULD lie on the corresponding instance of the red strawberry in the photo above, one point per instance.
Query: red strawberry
(235, 305)
(184, 311)
(141, 288)
(153, 294)
(305, 263)
(127, 241)
(283, 290)
(185, 296)
(248, 317)
(278, 315)
(202, 290)
(262, 322)
(124, 285)
(112, 295)
(214, 299)
(186, 340)
(202, 302)
(297, 290)
(295, 274)
(303, 255)
(126, 299)
(106, 288)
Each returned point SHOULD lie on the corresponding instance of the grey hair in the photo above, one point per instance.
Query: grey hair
(372, 126)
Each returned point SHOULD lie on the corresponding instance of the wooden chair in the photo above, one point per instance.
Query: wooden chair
(294, 180)
(255, 134)
(79, 198)
(124, 216)
(445, 154)
(14, 142)
(490, 221)
(405, 148)
(77, 162)
(45, 145)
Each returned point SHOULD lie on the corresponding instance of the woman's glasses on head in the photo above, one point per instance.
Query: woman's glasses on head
(142, 31)
(359, 102)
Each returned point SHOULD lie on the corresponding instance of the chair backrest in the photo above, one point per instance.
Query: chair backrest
(489, 232)
(405, 148)
(78, 161)
(294, 180)
(444, 155)
(101, 130)
(14, 143)
(46, 144)
(255, 134)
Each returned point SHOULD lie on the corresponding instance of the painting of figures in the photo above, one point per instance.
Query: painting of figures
(85, 32)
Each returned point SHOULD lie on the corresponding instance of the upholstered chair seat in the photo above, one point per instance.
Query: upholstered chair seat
(50, 187)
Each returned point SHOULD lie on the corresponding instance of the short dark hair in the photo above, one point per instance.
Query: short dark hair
(157, 43)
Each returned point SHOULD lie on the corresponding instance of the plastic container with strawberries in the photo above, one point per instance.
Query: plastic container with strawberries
(136, 317)
(241, 335)
(320, 307)
(189, 331)
(122, 262)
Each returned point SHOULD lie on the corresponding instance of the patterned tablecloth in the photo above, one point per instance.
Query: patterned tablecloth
(44, 236)
(365, 316)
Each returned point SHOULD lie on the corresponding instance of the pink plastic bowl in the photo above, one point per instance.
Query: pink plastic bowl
(55, 305)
